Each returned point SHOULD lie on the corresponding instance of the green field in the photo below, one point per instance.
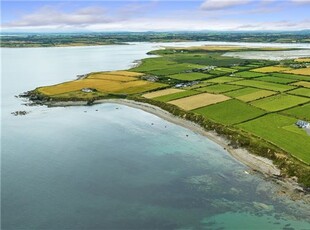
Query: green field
(276, 79)
(291, 76)
(219, 88)
(248, 74)
(272, 127)
(256, 95)
(223, 79)
(279, 102)
(230, 112)
(264, 85)
(175, 96)
(190, 76)
(301, 92)
(241, 92)
(301, 112)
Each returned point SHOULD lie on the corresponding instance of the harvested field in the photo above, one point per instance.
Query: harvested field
(302, 60)
(303, 71)
(162, 93)
(111, 77)
(197, 101)
(270, 69)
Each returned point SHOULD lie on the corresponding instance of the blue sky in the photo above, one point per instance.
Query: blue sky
(154, 15)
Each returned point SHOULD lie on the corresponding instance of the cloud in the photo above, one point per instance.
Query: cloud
(301, 1)
(222, 4)
(49, 16)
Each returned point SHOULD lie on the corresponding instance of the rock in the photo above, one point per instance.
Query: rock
(19, 113)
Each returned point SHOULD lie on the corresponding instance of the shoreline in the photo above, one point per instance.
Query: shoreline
(255, 163)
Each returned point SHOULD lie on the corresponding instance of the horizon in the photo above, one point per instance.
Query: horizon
(154, 16)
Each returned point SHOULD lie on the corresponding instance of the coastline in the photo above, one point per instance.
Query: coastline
(255, 163)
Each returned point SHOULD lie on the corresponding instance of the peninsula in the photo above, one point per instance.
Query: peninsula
(252, 104)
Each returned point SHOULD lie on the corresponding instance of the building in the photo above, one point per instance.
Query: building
(303, 124)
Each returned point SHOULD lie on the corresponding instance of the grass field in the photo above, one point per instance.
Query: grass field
(300, 92)
(175, 96)
(279, 102)
(111, 77)
(302, 83)
(248, 74)
(270, 69)
(223, 79)
(301, 112)
(264, 85)
(256, 95)
(303, 71)
(241, 92)
(163, 92)
(276, 79)
(190, 76)
(197, 101)
(272, 128)
(218, 88)
(291, 76)
(230, 112)
(177, 68)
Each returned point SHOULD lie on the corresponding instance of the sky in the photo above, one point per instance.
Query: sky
(154, 15)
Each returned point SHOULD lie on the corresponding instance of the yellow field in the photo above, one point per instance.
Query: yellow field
(162, 93)
(302, 83)
(197, 101)
(111, 77)
(125, 73)
(302, 60)
(303, 71)
(104, 86)
(212, 48)
(270, 69)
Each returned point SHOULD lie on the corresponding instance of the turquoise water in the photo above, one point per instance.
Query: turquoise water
(108, 167)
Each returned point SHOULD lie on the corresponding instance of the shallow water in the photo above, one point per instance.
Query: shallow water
(107, 167)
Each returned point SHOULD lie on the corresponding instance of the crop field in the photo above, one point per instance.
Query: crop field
(276, 79)
(105, 86)
(122, 73)
(294, 77)
(111, 77)
(256, 95)
(248, 74)
(264, 85)
(230, 112)
(270, 69)
(223, 79)
(190, 76)
(197, 101)
(163, 92)
(241, 92)
(153, 64)
(301, 112)
(303, 71)
(226, 70)
(219, 88)
(175, 96)
(271, 128)
(300, 92)
(302, 83)
(302, 60)
(279, 102)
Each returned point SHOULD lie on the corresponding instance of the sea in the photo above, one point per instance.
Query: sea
(110, 166)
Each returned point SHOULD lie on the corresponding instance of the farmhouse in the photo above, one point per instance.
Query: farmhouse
(302, 124)
(87, 90)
